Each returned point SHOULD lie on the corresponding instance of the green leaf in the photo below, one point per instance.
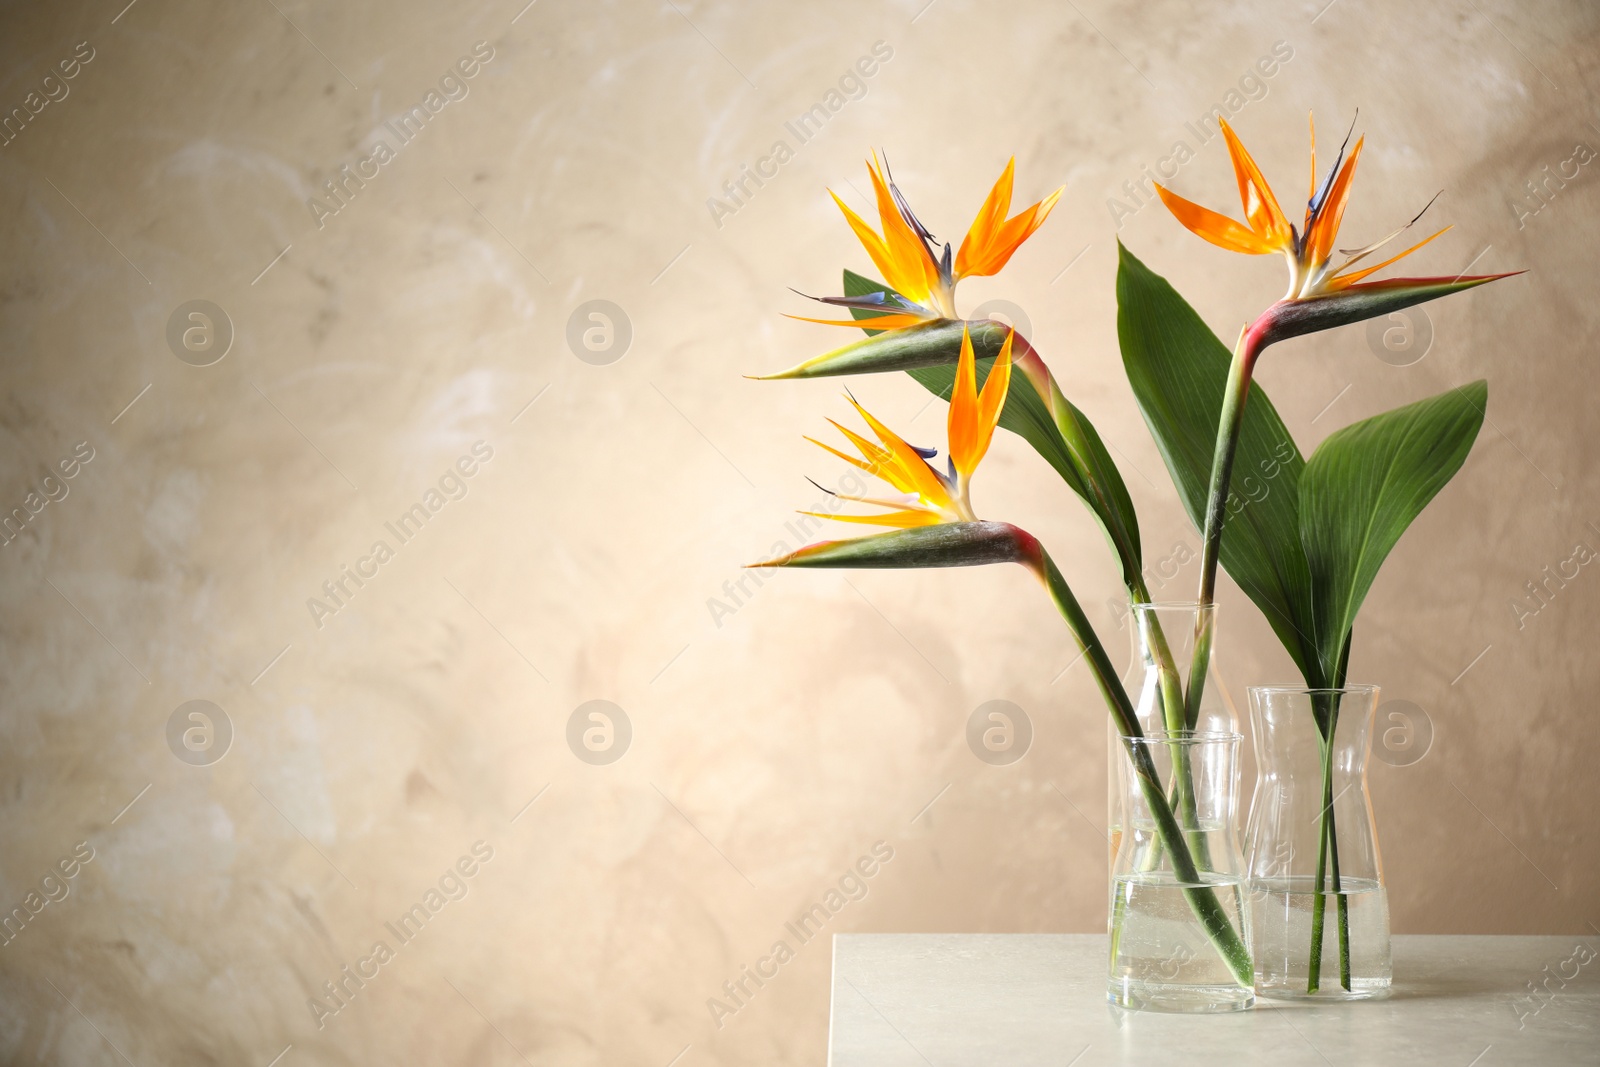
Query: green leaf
(1364, 485)
(949, 544)
(1092, 475)
(1178, 370)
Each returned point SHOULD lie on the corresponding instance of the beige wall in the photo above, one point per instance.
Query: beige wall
(771, 747)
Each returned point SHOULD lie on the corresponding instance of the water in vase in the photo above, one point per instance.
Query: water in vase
(1160, 956)
(1282, 917)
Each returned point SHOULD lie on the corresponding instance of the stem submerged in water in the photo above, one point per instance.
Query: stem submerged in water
(1327, 717)
(1324, 840)
(1333, 834)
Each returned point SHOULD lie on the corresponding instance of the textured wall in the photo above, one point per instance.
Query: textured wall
(387, 747)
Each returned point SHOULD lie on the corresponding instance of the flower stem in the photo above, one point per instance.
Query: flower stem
(1095, 482)
(1166, 667)
(1234, 395)
(1202, 898)
(1231, 420)
(1174, 721)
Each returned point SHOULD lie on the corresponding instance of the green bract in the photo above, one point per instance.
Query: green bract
(950, 544)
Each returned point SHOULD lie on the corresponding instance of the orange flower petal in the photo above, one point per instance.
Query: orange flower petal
(1260, 206)
(1319, 241)
(1218, 229)
(912, 271)
(993, 239)
(906, 502)
(973, 417)
(880, 457)
(992, 401)
(1312, 193)
(1014, 233)
(1342, 281)
(842, 455)
(881, 463)
(915, 474)
(962, 425)
(898, 519)
(867, 236)
(988, 219)
(894, 321)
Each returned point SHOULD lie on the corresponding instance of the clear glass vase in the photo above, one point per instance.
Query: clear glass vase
(1319, 912)
(1179, 925)
(1177, 917)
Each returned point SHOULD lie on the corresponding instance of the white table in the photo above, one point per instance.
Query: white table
(1013, 1000)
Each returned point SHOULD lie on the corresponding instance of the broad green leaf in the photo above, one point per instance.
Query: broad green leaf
(949, 544)
(1095, 479)
(1364, 485)
(1178, 370)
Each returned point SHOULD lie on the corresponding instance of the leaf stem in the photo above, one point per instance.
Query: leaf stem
(1333, 833)
(1328, 848)
(1319, 901)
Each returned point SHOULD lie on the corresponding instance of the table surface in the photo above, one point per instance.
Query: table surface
(1021, 999)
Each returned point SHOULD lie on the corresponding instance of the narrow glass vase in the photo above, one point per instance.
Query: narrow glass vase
(1179, 925)
(1319, 912)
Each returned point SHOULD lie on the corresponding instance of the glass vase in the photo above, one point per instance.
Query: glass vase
(1177, 918)
(1319, 912)
(1179, 926)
